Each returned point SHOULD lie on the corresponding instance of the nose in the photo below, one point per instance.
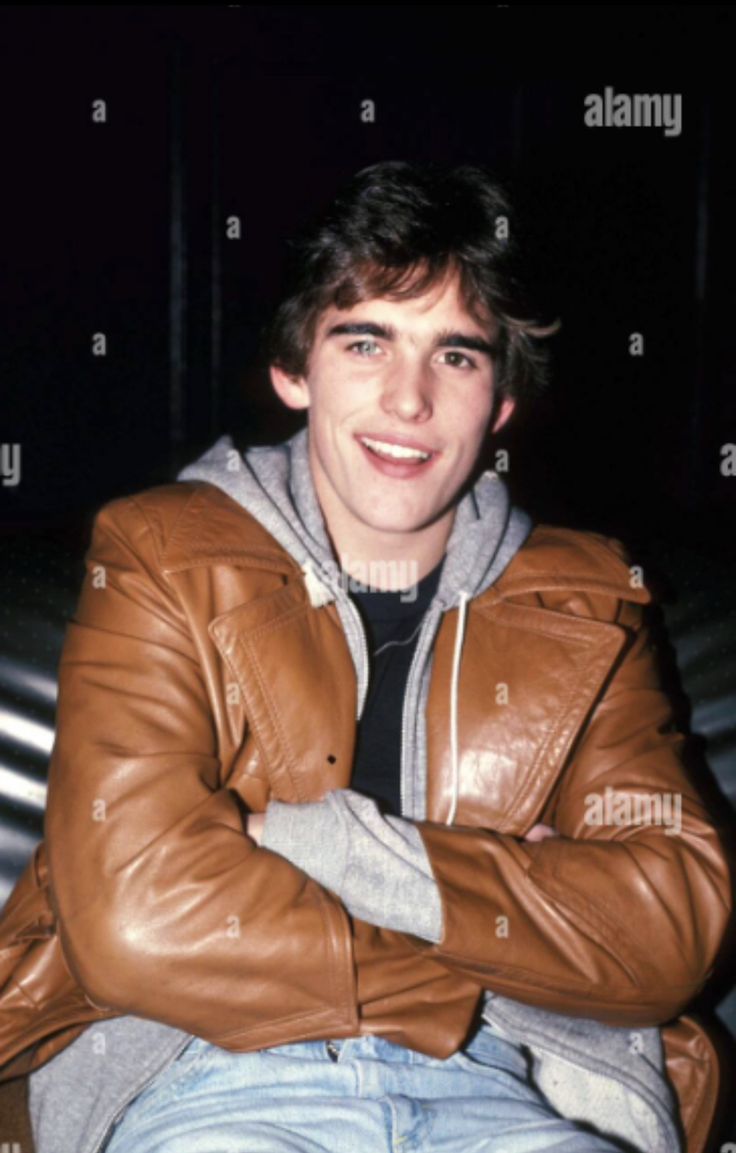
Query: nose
(407, 393)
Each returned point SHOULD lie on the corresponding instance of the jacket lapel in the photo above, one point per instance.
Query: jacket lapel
(298, 683)
(291, 662)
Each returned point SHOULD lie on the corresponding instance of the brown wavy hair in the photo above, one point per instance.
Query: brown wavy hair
(396, 230)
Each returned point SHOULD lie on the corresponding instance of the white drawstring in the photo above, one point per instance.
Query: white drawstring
(319, 594)
(459, 635)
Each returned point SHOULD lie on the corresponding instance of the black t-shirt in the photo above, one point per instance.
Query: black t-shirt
(393, 622)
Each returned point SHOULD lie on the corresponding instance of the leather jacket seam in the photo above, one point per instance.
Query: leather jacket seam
(537, 874)
(315, 1015)
(164, 543)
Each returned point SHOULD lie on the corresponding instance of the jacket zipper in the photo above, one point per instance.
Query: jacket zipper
(136, 1092)
(408, 696)
(364, 671)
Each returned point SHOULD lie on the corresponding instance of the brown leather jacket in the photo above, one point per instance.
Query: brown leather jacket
(197, 676)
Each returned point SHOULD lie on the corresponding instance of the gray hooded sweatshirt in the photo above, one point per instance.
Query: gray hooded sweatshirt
(609, 1077)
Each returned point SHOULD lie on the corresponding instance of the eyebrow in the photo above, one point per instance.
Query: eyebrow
(446, 338)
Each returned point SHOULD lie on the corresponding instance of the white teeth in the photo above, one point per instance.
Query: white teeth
(398, 451)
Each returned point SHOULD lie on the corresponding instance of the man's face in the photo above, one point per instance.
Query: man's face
(387, 377)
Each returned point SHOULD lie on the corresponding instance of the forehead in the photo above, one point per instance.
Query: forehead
(442, 302)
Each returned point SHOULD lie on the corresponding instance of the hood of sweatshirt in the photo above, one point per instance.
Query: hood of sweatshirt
(275, 484)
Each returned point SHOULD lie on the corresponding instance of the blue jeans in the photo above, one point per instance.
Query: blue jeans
(355, 1095)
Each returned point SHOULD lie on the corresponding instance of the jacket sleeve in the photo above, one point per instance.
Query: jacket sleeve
(614, 919)
(164, 907)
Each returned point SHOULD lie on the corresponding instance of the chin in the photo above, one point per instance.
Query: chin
(390, 524)
(401, 525)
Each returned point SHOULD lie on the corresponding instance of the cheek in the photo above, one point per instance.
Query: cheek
(332, 405)
(481, 414)
(472, 425)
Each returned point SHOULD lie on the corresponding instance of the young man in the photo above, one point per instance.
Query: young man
(336, 853)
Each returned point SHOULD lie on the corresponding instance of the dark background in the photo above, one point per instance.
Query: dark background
(254, 111)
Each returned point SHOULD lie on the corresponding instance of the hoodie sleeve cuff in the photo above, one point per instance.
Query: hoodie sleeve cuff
(312, 836)
(377, 865)
(388, 880)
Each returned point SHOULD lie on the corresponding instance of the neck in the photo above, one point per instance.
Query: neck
(387, 561)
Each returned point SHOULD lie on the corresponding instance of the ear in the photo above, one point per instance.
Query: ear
(293, 390)
(504, 413)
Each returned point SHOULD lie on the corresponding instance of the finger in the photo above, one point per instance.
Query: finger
(540, 831)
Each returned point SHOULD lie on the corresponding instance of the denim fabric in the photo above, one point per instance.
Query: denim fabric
(353, 1095)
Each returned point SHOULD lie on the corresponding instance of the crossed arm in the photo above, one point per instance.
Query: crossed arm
(377, 866)
(622, 922)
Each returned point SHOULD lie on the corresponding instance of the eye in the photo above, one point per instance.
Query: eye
(469, 362)
(361, 343)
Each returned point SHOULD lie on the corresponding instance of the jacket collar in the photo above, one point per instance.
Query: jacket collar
(212, 529)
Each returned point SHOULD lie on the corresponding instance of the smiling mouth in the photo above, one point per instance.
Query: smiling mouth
(397, 452)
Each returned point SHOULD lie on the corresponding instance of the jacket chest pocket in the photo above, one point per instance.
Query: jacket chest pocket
(528, 681)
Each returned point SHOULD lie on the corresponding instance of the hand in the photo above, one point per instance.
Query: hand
(254, 826)
(539, 832)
